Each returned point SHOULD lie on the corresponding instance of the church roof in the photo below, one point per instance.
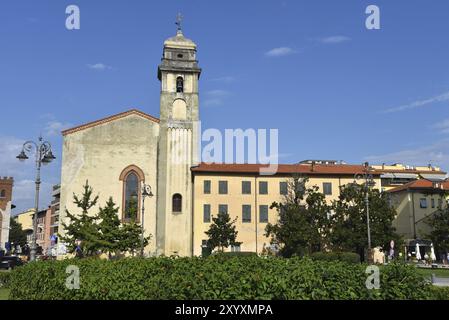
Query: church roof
(109, 119)
(179, 41)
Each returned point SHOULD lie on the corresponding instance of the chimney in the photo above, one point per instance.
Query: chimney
(313, 165)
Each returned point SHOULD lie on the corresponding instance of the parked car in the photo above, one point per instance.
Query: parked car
(10, 262)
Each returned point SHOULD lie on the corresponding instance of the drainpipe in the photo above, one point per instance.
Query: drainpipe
(414, 217)
(255, 209)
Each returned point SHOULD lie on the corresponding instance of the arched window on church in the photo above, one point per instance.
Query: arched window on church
(3, 194)
(177, 203)
(131, 197)
(132, 178)
(180, 84)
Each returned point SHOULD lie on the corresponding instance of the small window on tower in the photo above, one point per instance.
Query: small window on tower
(180, 56)
(180, 84)
(3, 194)
(177, 203)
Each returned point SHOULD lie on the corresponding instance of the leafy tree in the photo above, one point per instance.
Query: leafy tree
(109, 228)
(439, 234)
(17, 235)
(222, 232)
(349, 227)
(303, 224)
(83, 227)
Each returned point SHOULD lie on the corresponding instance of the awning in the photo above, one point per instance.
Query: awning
(399, 176)
(434, 177)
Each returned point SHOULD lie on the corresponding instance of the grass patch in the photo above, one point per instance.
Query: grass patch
(4, 294)
(442, 273)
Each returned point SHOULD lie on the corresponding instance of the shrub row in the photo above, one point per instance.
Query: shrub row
(246, 278)
(348, 257)
(4, 279)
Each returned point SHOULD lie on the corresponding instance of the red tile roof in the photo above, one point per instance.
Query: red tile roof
(317, 169)
(411, 171)
(109, 119)
(421, 184)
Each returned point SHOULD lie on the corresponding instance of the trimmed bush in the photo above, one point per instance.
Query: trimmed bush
(348, 257)
(4, 279)
(235, 254)
(217, 277)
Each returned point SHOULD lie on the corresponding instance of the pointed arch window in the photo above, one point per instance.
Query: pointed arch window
(177, 203)
(180, 85)
(132, 178)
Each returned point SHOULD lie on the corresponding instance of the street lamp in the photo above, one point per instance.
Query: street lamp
(369, 182)
(44, 156)
(146, 192)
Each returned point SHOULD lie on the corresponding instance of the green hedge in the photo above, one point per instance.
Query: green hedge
(349, 257)
(4, 279)
(246, 278)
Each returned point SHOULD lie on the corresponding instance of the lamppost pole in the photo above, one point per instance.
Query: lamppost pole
(44, 155)
(368, 183)
(146, 192)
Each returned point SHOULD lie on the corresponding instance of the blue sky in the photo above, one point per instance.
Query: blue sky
(333, 88)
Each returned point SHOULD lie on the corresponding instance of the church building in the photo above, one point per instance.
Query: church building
(121, 153)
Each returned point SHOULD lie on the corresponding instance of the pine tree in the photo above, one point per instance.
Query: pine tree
(130, 237)
(109, 228)
(82, 227)
(222, 232)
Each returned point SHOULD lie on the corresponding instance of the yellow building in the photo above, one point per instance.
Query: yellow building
(414, 202)
(26, 220)
(247, 195)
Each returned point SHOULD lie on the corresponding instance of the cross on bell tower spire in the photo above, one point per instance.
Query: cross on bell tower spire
(178, 22)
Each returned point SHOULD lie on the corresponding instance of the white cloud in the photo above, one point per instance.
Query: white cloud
(225, 79)
(334, 39)
(420, 103)
(54, 128)
(436, 153)
(99, 67)
(280, 52)
(215, 97)
(442, 127)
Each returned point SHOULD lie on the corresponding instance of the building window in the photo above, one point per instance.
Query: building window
(132, 177)
(327, 188)
(263, 214)
(206, 213)
(246, 213)
(3, 194)
(180, 85)
(131, 197)
(263, 187)
(177, 203)
(206, 186)
(283, 188)
(433, 202)
(222, 187)
(223, 208)
(440, 203)
(423, 203)
(246, 187)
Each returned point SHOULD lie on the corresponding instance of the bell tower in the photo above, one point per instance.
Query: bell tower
(179, 74)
